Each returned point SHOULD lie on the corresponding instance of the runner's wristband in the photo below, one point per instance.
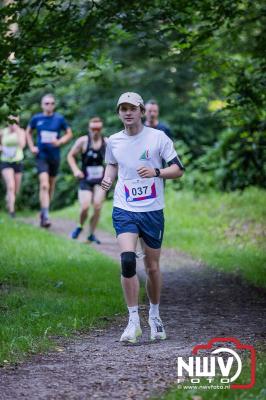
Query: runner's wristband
(157, 172)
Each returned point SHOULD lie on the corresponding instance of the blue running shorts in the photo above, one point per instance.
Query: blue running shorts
(149, 225)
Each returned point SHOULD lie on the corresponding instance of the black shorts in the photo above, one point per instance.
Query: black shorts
(16, 166)
(51, 166)
(88, 185)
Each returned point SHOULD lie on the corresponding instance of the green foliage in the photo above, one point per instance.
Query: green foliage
(237, 160)
(189, 55)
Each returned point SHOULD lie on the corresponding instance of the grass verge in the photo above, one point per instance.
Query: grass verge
(224, 230)
(50, 286)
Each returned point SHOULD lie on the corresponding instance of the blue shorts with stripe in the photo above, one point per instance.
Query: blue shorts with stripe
(148, 225)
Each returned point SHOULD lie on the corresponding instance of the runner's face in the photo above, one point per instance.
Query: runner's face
(13, 122)
(152, 112)
(95, 128)
(48, 105)
(129, 114)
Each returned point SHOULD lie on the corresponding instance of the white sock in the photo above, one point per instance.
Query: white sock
(154, 310)
(134, 313)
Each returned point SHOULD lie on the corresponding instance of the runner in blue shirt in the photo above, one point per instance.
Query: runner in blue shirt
(152, 118)
(48, 125)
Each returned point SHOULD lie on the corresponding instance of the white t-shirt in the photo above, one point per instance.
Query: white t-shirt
(147, 148)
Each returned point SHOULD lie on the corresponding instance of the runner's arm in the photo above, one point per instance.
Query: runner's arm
(66, 137)
(171, 172)
(29, 140)
(174, 170)
(168, 153)
(109, 176)
(71, 157)
(21, 138)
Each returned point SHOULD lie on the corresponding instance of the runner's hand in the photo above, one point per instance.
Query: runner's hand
(56, 142)
(106, 183)
(145, 172)
(34, 150)
(79, 174)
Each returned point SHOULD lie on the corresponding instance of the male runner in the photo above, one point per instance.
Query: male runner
(152, 118)
(136, 154)
(91, 147)
(48, 125)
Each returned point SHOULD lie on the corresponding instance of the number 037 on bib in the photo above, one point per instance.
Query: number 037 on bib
(140, 189)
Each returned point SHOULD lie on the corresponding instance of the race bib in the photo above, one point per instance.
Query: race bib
(94, 172)
(9, 151)
(48, 136)
(137, 190)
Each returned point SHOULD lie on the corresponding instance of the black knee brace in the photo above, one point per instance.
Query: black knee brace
(128, 264)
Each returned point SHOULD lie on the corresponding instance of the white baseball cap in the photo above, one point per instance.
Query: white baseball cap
(132, 98)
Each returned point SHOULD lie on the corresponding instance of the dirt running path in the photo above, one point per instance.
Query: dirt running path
(198, 303)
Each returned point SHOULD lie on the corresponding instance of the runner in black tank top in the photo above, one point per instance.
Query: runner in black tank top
(91, 147)
(92, 165)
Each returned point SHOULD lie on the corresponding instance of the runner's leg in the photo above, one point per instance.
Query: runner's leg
(9, 179)
(128, 242)
(85, 199)
(44, 190)
(18, 177)
(153, 287)
(152, 267)
(52, 180)
(44, 199)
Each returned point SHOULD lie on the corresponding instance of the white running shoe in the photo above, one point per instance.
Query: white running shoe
(157, 329)
(132, 332)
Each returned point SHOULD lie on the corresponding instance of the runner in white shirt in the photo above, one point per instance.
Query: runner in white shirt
(136, 155)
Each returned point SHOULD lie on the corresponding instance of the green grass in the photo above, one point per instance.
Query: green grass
(50, 286)
(258, 392)
(224, 230)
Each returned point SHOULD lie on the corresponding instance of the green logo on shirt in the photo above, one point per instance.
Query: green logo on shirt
(145, 155)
